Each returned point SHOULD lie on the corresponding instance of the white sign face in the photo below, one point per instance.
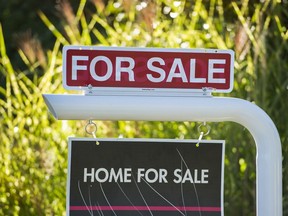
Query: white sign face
(128, 177)
(147, 69)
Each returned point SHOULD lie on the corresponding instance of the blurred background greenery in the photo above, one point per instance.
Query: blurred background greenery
(33, 146)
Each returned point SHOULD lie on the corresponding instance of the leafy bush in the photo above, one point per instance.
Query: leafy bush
(34, 145)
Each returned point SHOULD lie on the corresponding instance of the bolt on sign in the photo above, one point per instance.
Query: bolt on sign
(147, 69)
(128, 177)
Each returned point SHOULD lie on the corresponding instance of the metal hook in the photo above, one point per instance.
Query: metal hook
(202, 134)
(91, 128)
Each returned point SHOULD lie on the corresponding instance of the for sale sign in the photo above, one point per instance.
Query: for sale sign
(128, 177)
(147, 69)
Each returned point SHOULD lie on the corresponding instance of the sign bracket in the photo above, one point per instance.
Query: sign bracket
(204, 92)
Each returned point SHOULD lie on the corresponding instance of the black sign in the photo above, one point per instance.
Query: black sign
(130, 177)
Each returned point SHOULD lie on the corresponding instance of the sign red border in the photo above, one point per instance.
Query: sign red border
(147, 69)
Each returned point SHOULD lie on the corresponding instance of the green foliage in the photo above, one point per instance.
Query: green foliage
(33, 148)
(31, 154)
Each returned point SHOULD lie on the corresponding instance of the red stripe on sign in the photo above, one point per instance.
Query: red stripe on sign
(146, 208)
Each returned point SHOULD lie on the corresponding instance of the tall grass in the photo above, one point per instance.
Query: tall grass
(33, 146)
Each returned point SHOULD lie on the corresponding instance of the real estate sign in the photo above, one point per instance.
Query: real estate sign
(147, 69)
(145, 177)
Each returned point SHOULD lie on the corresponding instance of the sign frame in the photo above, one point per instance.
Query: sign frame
(90, 89)
(154, 142)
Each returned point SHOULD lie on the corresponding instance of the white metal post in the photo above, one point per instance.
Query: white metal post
(180, 108)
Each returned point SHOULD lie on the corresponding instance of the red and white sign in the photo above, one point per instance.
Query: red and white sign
(147, 69)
